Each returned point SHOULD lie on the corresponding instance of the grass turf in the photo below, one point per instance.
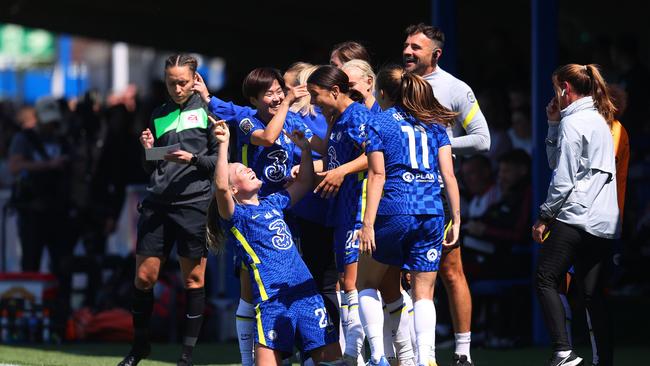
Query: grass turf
(109, 354)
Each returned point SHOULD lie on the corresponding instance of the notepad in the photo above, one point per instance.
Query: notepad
(159, 152)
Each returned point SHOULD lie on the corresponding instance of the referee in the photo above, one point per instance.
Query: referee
(175, 208)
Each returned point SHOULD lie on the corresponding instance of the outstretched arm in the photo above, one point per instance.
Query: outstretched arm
(222, 193)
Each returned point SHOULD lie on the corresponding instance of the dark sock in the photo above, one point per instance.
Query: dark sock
(141, 310)
(193, 319)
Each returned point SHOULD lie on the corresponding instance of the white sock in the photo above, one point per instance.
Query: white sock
(400, 320)
(563, 353)
(463, 340)
(245, 322)
(432, 353)
(408, 302)
(308, 362)
(389, 350)
(354, 335)
(372, 318)
(343, 324)
(568, 317)
(424, 327)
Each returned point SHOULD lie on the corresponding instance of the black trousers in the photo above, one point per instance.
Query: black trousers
(565, 246)
(316, 244)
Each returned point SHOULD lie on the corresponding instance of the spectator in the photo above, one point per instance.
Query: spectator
(38, 158)
(520, 131)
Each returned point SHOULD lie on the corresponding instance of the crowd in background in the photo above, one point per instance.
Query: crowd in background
(94, 154)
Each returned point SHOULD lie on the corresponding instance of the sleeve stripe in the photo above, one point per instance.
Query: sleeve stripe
(470, 115)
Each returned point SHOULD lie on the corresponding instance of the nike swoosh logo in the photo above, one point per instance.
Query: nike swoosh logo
(255, 216)
(193, 316)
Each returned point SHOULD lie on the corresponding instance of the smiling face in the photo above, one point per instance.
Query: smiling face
(268, 102)
(323, 98)
(179, 81)
(418, 54)
(359, 82)
(243, 181)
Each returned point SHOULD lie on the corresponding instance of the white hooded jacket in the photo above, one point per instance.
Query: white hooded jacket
(580, 151)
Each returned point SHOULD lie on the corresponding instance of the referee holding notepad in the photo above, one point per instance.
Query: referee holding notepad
(174, 210)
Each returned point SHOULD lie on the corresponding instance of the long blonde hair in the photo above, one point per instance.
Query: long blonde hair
(364, 67)
(215, 236)
(303, 105)
(414, 94)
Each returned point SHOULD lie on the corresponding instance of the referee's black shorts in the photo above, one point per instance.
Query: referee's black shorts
(161, 226)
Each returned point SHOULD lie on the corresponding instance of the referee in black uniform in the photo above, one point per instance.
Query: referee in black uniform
(174, 211)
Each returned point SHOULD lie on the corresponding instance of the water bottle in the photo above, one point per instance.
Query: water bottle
(4, 326)
(46, 325)
(32, 323)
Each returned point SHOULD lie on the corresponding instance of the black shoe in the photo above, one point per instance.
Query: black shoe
(185, 360)
(135, 356)
(571, 360)
(460, 360)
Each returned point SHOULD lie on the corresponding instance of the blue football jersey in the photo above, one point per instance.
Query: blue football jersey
(264, 242)
(228, 111)
(410, 150)
(312, 207)
(272, 164)
(344, 145)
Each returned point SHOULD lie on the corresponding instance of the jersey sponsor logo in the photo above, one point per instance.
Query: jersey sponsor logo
(277, 170)
(425, 177)
(470, 97)
(408, 177)
(432, 254)
(282, 238)
(246, 125)
(337, 137)
(332, 162)
(271, 335)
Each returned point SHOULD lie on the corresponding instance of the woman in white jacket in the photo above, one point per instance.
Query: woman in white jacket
(579, 217)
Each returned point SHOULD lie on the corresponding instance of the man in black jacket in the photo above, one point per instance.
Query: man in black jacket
(174, 210)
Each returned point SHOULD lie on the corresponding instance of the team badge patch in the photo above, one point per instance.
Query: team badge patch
(471, 97)
(246, 125)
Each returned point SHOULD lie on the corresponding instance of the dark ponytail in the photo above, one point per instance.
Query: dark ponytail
(328, 76)
(414, 94)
